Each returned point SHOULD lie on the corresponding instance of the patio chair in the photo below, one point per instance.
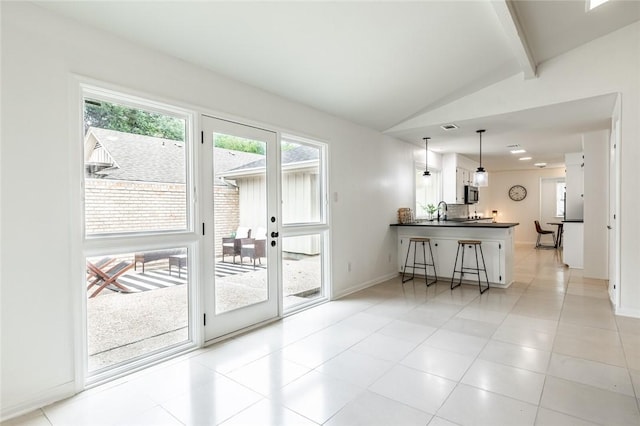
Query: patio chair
(105, 273)
(253, 248)
(231, 246)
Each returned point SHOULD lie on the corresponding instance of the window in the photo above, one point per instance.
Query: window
(302, 184)
(428, 191)
(137, 243)
(135, 169)
(560, 198)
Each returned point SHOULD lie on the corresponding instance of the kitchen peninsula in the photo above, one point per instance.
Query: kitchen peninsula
(497, 246)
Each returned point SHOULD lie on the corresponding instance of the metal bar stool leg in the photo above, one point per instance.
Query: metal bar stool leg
(484, 265)
(433, 262)
(424, 258)
(455, 263)
(477, 267)
(404, 270)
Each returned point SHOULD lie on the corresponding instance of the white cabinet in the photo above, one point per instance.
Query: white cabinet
(494, 259)
(456, 173)
(574, 208)
(444, 254)
(573, 244)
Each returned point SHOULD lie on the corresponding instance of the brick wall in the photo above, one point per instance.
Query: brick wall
(226, 210)
(113, 206)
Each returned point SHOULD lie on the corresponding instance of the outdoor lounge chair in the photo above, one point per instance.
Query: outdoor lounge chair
(253, 248)
(105, 273)
(231, 246)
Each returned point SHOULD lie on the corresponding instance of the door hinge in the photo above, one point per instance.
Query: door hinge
(202, 228)
(500, 278)
(202, 137)
(614, 216)
(204, 319)
(499, 246)
(614, 286)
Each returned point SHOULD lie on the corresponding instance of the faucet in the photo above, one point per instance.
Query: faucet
(445, 210)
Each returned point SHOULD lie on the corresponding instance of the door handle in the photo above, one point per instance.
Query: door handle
(274, 235)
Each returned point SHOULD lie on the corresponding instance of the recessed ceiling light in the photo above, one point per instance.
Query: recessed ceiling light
(595, 3)
(448, 127)
(540, 164)
(524, 158)
(518, 151)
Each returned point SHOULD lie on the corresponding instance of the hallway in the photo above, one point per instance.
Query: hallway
(546, 351)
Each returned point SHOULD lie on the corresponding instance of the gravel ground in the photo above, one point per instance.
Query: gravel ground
(122, 326)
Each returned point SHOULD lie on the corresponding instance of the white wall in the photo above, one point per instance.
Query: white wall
(370, 173)
(610, 64)
(523, 212)
(596, 197)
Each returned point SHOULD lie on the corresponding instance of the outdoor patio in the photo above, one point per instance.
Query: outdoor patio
(122, 326)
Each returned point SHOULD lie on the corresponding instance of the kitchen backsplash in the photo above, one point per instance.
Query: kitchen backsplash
(458, 210)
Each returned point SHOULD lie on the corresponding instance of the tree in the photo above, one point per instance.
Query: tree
(235, 143)
(110, 116)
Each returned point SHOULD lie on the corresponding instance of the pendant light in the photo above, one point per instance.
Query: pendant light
(427, 173)
(481, 177)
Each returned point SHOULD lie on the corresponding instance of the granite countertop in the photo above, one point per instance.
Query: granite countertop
(459, 224)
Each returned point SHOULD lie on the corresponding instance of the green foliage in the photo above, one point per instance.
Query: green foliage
(235, 143)
(110, 116)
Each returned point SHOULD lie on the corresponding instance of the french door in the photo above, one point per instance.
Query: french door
(240, 225)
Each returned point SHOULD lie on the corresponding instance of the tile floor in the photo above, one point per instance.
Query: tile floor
(546, 351)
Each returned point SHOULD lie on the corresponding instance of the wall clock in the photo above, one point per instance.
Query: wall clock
(517, 192)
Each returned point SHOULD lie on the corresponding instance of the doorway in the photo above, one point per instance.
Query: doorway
(240, 209)
(266, 204)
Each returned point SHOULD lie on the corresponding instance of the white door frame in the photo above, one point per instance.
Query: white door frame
(219, 325)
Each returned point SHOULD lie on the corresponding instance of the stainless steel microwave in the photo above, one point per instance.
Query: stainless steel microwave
(470, 194)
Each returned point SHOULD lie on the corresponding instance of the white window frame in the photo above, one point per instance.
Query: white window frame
(96, 245)
(322, 227)
(418, 169)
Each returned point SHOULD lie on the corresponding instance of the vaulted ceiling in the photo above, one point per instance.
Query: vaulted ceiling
(373, 63)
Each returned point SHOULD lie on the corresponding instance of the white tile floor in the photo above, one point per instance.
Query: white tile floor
(546, 351)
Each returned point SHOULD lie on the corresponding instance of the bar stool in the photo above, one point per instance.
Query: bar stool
(463, 269)
(419, 265)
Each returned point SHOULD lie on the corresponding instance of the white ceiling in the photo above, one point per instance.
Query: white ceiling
(373, 63)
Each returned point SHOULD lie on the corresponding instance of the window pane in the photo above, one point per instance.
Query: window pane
(135, 170)
(427, 191)
(301, 192)
(301, 269)
(137, 304)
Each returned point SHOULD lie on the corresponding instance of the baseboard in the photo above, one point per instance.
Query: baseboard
(364, 285)
(626, 312)
(37, 401)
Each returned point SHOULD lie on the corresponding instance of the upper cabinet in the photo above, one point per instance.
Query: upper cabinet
(457, 171)
(574, 209)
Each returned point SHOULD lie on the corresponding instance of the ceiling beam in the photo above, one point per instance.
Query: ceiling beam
(506, 13)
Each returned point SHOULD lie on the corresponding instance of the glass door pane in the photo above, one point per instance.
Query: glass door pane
(243, 210)
(240, 212)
